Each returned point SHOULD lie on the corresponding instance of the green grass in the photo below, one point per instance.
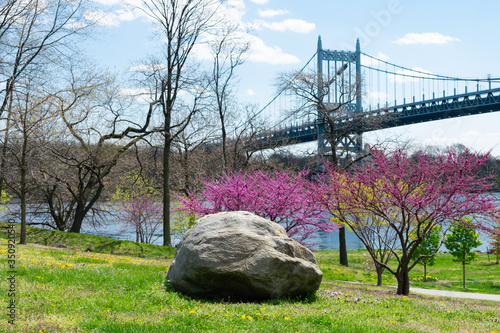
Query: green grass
(482, 276)
(80, 242)
(117, 290)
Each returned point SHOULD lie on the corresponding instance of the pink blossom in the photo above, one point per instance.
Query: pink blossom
(409, 196)
(144, 214)
(278, 196)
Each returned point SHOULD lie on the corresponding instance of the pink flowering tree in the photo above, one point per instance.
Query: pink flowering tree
(144, 215)
(139, 206)
(281, 197)
(400, 199)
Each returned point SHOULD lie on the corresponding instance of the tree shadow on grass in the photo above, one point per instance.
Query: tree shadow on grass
(122, 247)
(47, 237)
(306, 298)
(491, 263)
(101, 244)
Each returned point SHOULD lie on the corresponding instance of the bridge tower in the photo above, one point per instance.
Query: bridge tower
(339, 90)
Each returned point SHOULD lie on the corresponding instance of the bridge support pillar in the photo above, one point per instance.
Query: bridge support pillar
(347, 144)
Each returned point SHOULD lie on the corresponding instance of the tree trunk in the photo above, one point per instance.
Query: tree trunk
(58, 216)
(5, 140)
(224, 138)
(78, 220)
(342, 247)
(403, 283)
(379, 270)
(166, 191)
(463, 266)
(22, 238)
(84, 204)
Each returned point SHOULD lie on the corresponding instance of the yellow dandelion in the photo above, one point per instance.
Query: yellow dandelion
(286, 318)
(249, 318)
(243, 316)
(191, 311)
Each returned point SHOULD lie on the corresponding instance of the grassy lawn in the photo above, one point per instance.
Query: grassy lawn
(481, 276)
(120, 288)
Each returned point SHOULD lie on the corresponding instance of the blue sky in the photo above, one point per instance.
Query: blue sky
(455, 38)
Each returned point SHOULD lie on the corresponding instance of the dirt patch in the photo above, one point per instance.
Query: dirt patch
(443, 283)
(45, 247)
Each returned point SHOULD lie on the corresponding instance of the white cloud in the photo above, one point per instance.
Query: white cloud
(102, 18)
(425, 38)
(233, 10)
(148, 68)
(260, 52)
(240, 4)
(202, 51)
(250, 92)
(260, 2)
(108, 2)
(272, 12)
(382, 56)
(473, 139)
(295, 25)
(112, 19)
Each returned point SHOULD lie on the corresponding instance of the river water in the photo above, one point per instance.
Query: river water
(114, 228)
(321, 240)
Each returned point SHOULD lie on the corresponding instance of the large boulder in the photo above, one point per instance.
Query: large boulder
(242, 256)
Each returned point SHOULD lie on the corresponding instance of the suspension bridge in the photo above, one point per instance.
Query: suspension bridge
(351, 92)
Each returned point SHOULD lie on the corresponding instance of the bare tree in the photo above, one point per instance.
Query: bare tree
(334, 103)
(180, 24)
(313, 95)
(228, 52)
(32, 33)
(191, 164)
(31, 119)
(10, 12)
(94, 115)
(35, 31)
(333, 112)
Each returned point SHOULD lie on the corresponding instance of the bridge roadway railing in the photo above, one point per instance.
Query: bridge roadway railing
(471, 103)
(406, 114)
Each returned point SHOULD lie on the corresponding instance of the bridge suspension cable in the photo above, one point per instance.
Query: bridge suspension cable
(285, 88)
(434, 76)
(384, 87)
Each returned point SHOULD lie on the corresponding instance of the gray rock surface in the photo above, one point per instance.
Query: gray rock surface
(242, 256)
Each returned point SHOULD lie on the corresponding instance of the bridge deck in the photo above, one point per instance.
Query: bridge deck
(472, 103)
